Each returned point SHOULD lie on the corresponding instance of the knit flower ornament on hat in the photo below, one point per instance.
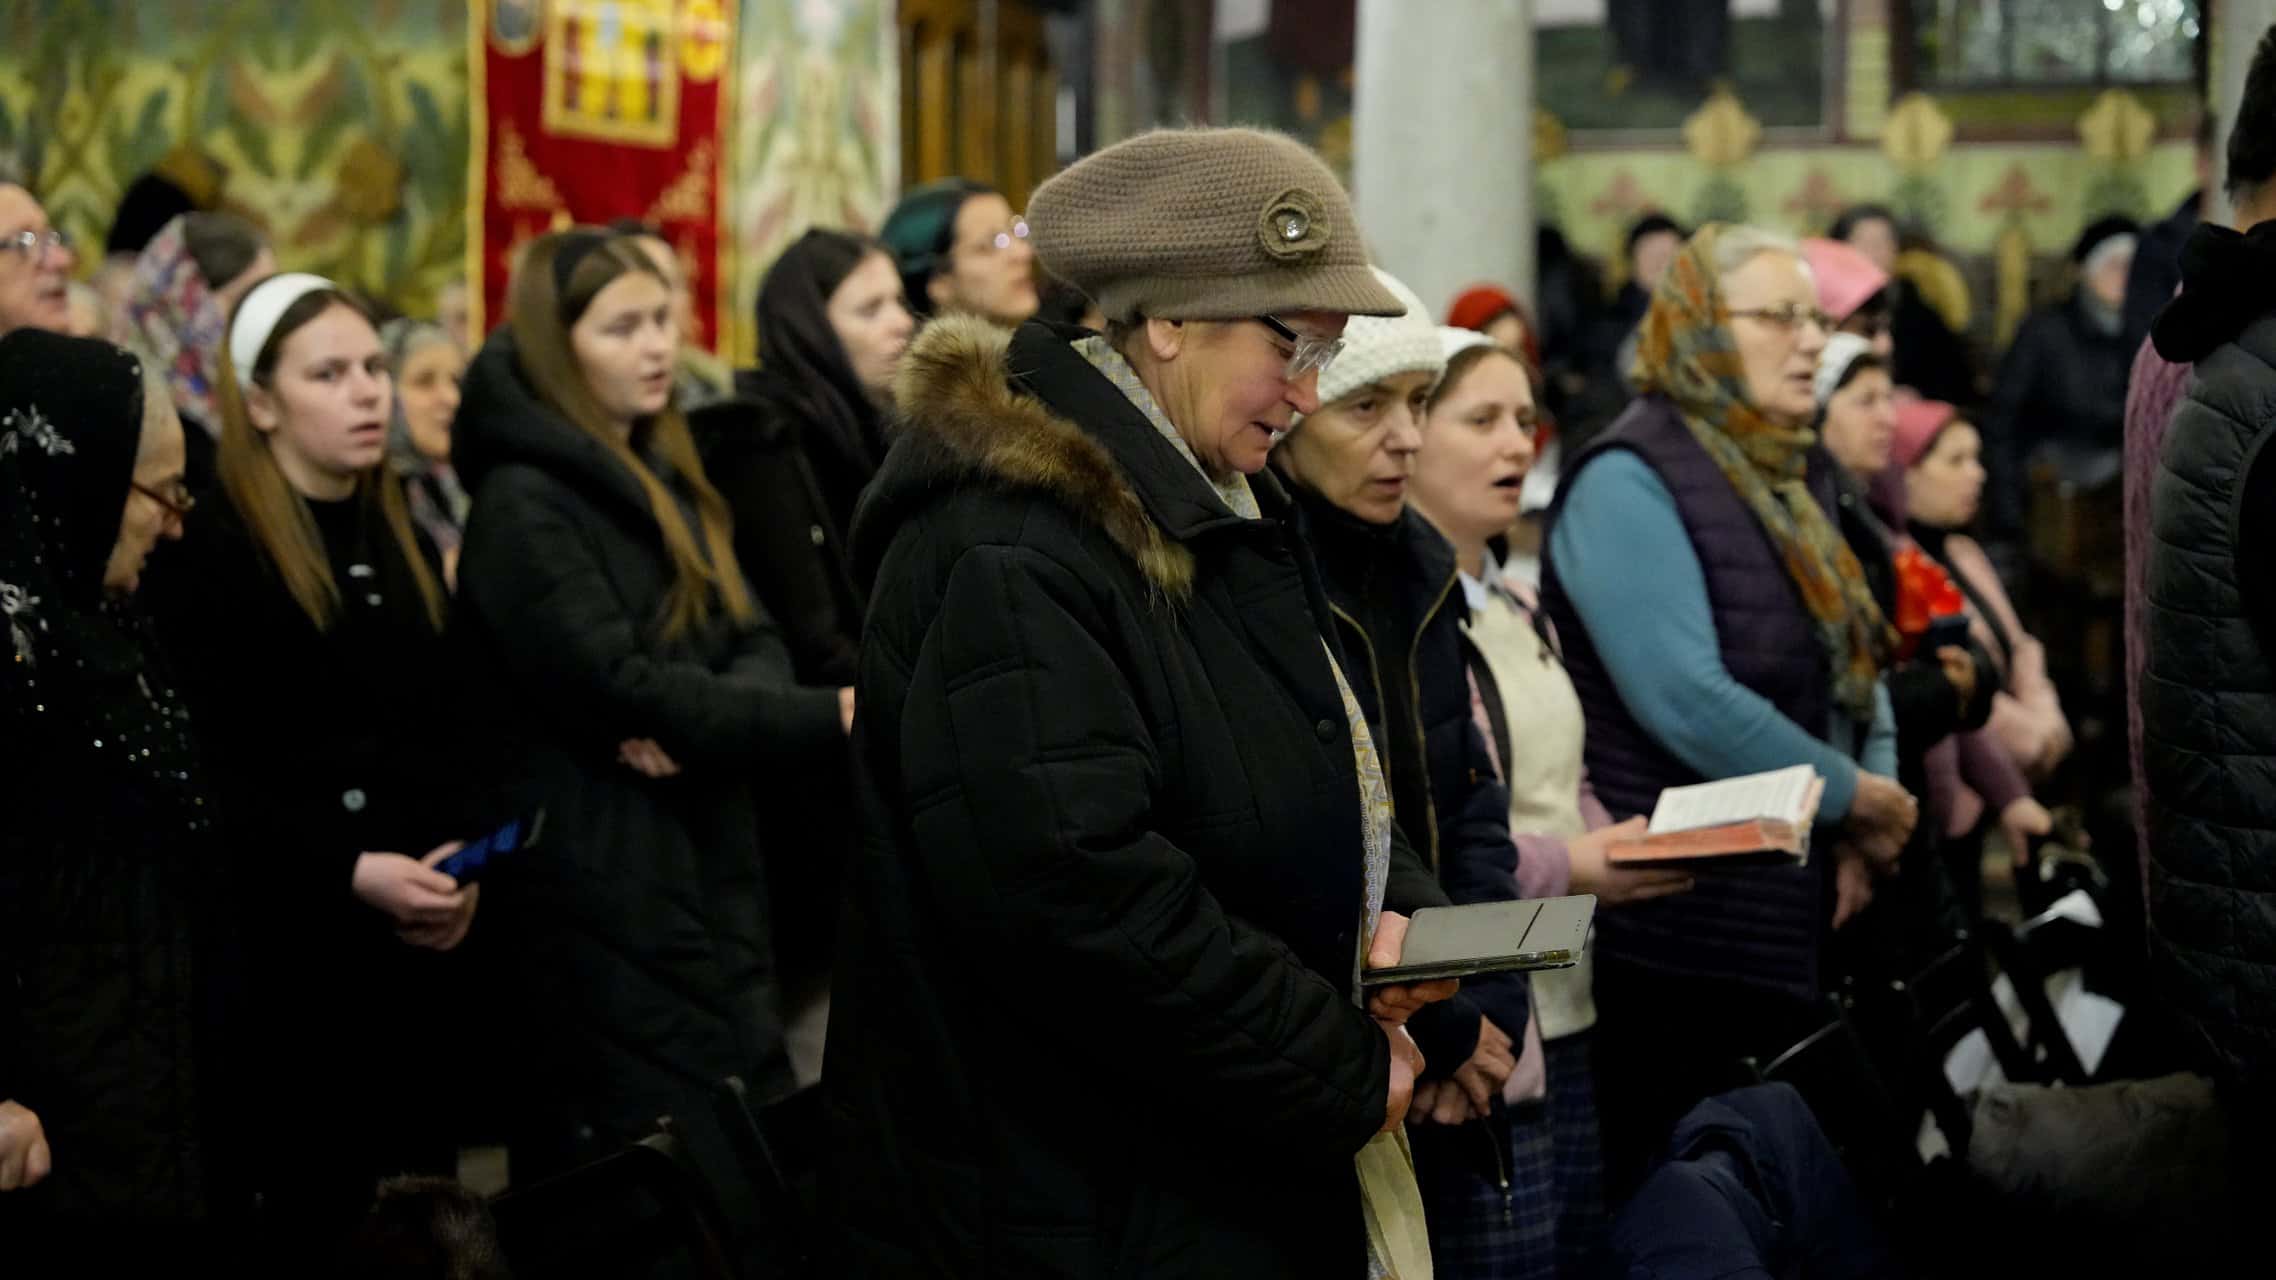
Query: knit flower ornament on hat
(1379, 347)
(1206, 224)
(1685, 351)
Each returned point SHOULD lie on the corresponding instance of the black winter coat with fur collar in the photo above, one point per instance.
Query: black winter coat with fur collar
(1095, 1009)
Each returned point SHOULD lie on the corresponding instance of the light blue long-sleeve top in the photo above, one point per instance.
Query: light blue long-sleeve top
(1627, 564)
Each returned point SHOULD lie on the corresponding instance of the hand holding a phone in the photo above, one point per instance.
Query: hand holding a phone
(429, 908)
(1393, 1005)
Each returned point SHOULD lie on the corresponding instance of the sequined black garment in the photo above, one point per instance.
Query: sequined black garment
(110, 938)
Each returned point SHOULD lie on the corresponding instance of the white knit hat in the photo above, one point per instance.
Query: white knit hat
(1842, 351)
(1453, 340)
(1375, 348)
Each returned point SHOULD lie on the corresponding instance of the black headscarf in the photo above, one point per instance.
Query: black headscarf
(70, 426)
(803, 370)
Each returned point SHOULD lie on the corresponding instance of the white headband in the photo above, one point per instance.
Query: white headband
(258, 313)
(2108, 248)
(1842, 350)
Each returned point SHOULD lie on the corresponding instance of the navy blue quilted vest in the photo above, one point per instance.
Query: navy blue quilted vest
(1760, 925)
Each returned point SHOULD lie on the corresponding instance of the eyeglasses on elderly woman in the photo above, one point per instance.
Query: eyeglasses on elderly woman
(1789, 316)
(1306, 353)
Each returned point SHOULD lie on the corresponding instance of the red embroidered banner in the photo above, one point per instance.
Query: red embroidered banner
(588, 110)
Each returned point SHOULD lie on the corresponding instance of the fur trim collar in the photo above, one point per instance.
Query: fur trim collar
(954, 392)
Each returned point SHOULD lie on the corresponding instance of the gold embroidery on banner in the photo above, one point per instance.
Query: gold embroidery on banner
(703, 40)
(612, 71)
(688, 197)
(520, 185)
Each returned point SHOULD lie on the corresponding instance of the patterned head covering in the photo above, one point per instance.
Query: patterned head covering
(70, 424)
(171, 317)
(1686, 352)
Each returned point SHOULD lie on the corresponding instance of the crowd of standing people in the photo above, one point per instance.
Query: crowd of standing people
(1028, 700)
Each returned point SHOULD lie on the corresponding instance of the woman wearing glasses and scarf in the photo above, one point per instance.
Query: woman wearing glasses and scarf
(1715, 624)
(111, 917)
(1129, 832)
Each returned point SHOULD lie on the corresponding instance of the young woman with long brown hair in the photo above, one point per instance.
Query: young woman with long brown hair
(306, 617)
(634, 691)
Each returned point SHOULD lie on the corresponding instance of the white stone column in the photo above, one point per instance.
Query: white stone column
(1442, 142)
(2237, 28)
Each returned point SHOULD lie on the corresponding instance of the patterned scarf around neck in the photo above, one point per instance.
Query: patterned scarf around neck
(1685, 351)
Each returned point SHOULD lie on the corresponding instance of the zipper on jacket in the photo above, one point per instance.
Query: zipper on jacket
(1374, 675)
(1495, 1135)
(1414, 685)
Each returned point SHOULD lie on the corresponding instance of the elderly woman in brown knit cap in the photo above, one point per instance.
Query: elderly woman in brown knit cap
(1130, 843)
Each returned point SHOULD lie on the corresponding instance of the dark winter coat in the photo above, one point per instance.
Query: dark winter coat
(793, 492)
(2063, 383)
(2208, 688)
(636, 939)
(324, 745)
(1399, 608)
(793, 485)
(113, 920)
(1095, 1011)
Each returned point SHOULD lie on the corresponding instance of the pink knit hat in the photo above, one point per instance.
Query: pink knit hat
(1919, 422)
(1846, 278)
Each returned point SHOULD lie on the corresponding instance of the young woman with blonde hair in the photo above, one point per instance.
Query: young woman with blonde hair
(634, 690)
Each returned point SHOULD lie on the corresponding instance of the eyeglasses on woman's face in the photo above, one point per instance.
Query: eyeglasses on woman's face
(1789, 316)
(175, 498)
(1305, 352)
(1016, 233)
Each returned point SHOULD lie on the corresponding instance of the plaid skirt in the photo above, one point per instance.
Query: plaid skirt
(1550, 1221)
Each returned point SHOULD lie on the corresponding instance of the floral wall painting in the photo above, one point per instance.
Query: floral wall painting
(1614, 67)
(339, 126)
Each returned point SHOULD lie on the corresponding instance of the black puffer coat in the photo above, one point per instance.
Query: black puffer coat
(2208, 689)
(1094, 1012)
(636, 939)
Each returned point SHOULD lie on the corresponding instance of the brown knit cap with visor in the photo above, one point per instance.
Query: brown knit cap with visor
(1206, 224)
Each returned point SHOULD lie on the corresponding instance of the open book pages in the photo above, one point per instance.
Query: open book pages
(1788, 795)
(1763, 816)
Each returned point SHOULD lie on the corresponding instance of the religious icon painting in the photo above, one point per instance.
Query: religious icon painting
(612, 71)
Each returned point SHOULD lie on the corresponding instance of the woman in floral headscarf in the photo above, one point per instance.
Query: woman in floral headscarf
(1716, 624)
(187, 279)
